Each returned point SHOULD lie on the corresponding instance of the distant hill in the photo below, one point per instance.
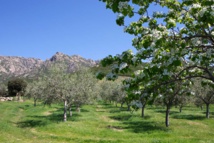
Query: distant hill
(12, 66)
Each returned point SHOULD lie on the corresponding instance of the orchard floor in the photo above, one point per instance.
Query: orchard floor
(20, 122)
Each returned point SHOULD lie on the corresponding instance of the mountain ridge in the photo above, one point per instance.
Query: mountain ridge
(16, 66)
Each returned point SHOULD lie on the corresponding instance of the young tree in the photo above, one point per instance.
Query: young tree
(204, 94)
(36, 89)
(83, 87)
(16, 87)
(58, 86)
(182, 101)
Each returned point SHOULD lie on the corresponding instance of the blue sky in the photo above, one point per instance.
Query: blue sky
(40, 28)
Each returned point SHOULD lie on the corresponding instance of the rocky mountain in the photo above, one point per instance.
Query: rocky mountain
(11, 66)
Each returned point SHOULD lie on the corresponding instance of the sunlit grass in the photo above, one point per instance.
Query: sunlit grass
(101, 123)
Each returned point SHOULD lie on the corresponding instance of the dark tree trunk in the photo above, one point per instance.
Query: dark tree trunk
(122, 105)
(207, 110)
(142, 111)
(180, 109)
(167, 115)
(129, 108)
(65, 110)
(35, 102)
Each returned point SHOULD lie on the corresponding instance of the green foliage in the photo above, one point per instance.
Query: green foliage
(3, 90)
(16, 86)
(178, 43)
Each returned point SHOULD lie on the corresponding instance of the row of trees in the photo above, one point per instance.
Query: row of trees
(81, 87)
(176, 39)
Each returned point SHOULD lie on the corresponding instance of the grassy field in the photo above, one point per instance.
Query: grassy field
(102, 123)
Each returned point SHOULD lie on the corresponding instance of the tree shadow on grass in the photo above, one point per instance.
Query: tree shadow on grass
(164, 111)
(121, 117)
(189, 117)
(43, 120)
(84, 110)
(143, 125)
(31, 123)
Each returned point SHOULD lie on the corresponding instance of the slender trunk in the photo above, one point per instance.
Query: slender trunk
(167, 115)
(122, 105)
(142, 111)
(180, 109)
(201, 107)
(78, 108)
(17, 96)
(34, 102)
(207, 110)
(70, 111)
(65, 110)
(129, 108)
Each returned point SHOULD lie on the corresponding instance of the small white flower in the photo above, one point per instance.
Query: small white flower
(212, 33)
(122, 66)
(196, 6)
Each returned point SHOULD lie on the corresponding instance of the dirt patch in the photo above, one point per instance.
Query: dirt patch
(115, 128)
(47, 113)
(196, 123)
(100, 110)
(106, 119)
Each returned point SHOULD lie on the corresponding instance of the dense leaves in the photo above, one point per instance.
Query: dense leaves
(16, 86)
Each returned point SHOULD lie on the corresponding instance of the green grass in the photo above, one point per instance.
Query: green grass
(102, 123)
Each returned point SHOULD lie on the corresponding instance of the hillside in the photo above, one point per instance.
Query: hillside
(12, 66)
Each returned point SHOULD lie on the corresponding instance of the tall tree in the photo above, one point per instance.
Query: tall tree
(178, 40)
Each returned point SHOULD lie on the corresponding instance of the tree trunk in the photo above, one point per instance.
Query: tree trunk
(34, 102)
(207, 110)
(167, 115)
(65, 110)
(17, 96)
(78, 108)
(129, 108)
(142, 111)
(180, 109)
(70, 111)
(201, 107)
(122, 105)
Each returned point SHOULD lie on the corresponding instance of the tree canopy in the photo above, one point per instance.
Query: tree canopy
(174, 37)
(16, 87)
(177, 43)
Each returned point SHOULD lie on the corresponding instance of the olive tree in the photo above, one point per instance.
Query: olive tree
(83, 87)
(36, 89)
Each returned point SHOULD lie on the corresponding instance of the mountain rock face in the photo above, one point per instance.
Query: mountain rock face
(11, 66)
